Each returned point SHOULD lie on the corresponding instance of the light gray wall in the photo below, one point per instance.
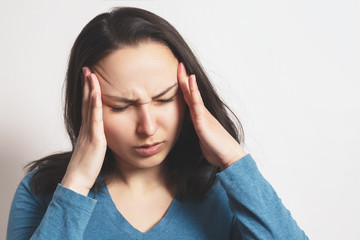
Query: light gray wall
(290, 69)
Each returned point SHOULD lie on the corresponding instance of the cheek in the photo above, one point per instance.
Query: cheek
(114, 128)
(174, 115)
(120, 127)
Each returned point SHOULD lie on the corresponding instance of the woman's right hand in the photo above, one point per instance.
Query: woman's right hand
(88, 156)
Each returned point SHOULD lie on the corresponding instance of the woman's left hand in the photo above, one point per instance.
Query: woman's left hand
(217, 145)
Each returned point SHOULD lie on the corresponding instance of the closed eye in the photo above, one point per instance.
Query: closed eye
(119, 109)
(165, 100)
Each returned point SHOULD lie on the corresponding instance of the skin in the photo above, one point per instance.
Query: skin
(139, 73)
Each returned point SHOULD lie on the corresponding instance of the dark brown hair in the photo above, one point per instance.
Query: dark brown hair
(188, 170)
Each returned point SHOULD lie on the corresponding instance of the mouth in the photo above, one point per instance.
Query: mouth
(149, 149)
(148, 145)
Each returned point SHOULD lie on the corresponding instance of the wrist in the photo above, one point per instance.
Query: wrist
(226, 165)
(236, 157)
(75, 186)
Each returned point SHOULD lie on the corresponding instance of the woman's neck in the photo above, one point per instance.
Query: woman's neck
(140, 180)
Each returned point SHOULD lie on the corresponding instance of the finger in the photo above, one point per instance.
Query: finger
(86, 90)
(96, 104)
(196, 98)
(86, 87)
(184, 82)
(95, 84)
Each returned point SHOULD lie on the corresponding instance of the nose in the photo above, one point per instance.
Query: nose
(146, 123)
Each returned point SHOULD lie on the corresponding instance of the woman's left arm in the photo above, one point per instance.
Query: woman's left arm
(258, 210)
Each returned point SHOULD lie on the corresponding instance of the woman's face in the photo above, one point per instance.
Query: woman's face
(143, 107)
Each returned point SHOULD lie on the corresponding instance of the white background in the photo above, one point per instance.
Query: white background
(290, 69)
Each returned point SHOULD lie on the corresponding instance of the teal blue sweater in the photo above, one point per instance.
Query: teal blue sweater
(240, 205)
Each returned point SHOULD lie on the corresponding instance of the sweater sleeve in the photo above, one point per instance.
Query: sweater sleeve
(66, 216)
(259, 212)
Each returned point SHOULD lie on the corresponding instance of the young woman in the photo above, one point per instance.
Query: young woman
(155, 153)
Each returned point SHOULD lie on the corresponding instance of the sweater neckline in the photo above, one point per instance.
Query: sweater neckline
(120, 221)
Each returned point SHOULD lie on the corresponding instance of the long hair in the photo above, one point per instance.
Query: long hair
(187, 169)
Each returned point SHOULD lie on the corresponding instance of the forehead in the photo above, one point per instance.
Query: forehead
(135, 71)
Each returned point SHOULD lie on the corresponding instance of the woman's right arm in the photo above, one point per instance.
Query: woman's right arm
(31, 217)
(88, 157)
(67, 215)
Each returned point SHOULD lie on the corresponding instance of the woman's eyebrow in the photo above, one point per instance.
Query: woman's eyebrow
(121, 99)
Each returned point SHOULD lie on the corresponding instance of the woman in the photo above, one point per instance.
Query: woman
(155, 153)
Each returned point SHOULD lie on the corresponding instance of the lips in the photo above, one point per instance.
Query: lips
(149, 145)
(149, 149)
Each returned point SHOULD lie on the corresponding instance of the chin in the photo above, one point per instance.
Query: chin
(149, 164)
(142, 163)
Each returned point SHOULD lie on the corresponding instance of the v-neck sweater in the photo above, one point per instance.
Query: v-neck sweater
(240, 205)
